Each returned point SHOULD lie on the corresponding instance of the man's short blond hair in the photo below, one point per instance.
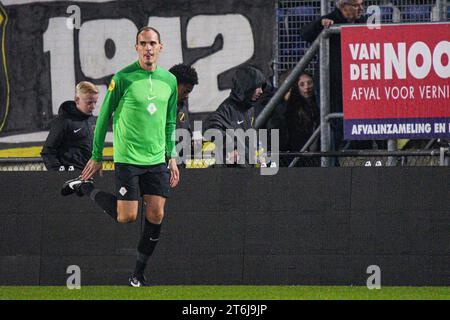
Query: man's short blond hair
(86, 87)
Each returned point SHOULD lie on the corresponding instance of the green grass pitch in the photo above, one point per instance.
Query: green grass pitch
(225, 293)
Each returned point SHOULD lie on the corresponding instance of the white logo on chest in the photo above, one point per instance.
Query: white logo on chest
(152, 108)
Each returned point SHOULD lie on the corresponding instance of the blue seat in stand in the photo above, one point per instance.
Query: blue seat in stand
(386, 14)
(416, 13)
(290, 21)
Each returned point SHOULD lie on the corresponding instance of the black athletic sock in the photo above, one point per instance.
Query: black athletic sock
(87, 188)
(105, 200)
(141, 263)
(147, 243)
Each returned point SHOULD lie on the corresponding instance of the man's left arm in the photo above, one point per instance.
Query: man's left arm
(53, 143)
(171, 122)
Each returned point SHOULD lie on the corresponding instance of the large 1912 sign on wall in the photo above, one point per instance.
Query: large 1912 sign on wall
(52, 45)
(396, 81)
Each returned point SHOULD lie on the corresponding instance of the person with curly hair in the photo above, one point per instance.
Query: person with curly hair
(187, 78)
(302, 112)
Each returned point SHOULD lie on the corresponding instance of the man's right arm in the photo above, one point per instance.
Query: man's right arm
(109, 105)
(312, 30)
(220, 119)
(52, 143)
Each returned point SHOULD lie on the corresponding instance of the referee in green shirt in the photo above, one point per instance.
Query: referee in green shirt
(142, 98)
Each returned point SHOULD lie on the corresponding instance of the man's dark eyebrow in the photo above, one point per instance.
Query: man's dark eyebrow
(151, 42)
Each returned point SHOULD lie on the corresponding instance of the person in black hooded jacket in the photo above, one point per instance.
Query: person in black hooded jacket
(236, 112)
(69, 142)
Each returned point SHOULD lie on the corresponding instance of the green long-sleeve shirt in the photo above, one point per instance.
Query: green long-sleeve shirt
(144, 104)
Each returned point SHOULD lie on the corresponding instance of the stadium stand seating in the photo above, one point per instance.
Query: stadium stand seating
(290, 21)
(386, 14)
(291, 46)
(416, 13)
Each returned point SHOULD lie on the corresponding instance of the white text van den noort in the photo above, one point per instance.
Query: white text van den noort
(420, 59)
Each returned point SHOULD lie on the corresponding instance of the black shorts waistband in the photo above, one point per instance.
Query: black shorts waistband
(140, 166)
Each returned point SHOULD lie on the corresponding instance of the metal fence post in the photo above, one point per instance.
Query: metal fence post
(443, 158)
(276, 43)
(392, 146)
(325, 131)
(439, 11)
(324, 65)
(324, 7)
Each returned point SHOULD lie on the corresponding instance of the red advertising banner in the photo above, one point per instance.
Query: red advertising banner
(396, 81)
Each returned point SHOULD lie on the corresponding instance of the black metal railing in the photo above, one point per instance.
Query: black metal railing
(347, 158)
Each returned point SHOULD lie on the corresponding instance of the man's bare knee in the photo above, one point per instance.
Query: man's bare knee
(155, 216)
(126, 218)
(127, 211)
(154, 208)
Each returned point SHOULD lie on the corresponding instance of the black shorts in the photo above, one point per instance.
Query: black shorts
(150, 180)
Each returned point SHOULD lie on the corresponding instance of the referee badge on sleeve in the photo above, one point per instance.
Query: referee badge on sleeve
(123, 191)
(112, 85)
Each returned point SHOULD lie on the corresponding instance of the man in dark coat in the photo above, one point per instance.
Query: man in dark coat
(69, 142)
(346, 12)
(236, 112)
(187, 78)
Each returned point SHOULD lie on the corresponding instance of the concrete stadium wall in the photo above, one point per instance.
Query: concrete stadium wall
(308, 226)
